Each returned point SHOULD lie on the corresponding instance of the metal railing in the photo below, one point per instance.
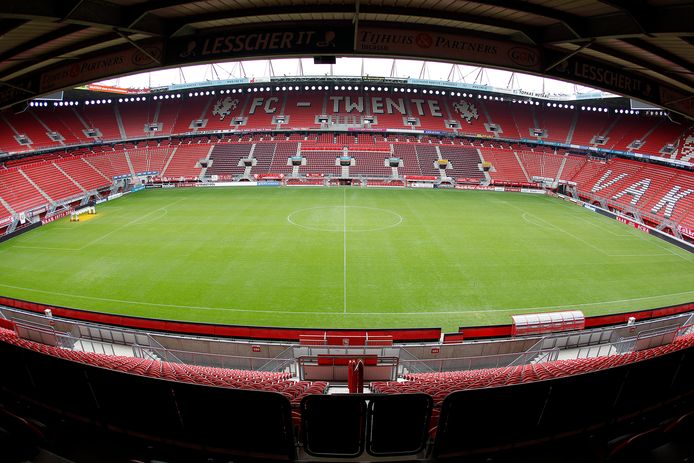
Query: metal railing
(478, 361)
(282, 361)
(203, 359)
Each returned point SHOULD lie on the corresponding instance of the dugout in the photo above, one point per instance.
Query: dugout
(552, 322)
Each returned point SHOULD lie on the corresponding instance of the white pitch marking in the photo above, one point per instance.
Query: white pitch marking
(163, 208)
(290, 312)
(130, 223)
(306, 227)
(344, 248)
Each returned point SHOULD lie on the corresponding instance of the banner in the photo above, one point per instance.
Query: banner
(631, 223)
(686, 231)
(19, 90)
(449, 47)
(119, 90)
(125, 61)
(605, 76)
(235, 44)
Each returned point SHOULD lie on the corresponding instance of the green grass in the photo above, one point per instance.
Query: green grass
(343, 258)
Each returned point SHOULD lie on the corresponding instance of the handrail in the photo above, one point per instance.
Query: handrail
(206, 359)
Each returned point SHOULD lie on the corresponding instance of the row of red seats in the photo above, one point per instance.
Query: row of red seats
(221, 377)
(176, 116)
(440, 384)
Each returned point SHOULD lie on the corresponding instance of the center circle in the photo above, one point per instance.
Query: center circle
(345, 218)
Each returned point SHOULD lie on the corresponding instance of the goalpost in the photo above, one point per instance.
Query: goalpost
(87, 209)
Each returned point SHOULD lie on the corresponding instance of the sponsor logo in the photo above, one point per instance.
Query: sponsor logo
(266, 41)
(523, 56)
(140, 58)
(423, 40)
(631, 223)
(595, 73)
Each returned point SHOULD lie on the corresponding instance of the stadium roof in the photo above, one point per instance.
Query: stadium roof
(642, 49)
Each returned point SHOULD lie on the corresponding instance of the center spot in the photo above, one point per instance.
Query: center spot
(341, 218)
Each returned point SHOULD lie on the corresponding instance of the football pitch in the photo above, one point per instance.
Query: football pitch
(343, 258)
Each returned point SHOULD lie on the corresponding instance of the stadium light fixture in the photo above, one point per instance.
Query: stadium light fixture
(385, 89)
(356, 87)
